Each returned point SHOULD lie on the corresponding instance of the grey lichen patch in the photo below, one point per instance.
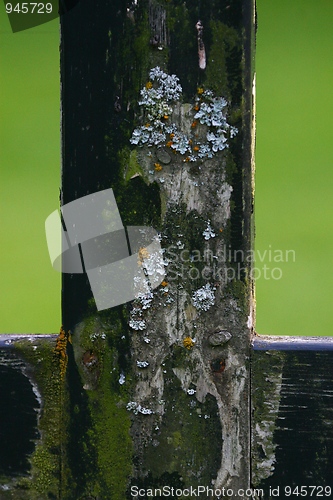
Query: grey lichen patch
(266, 389)
(158, 98)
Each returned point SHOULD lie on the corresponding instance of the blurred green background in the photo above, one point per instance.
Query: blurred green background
(30, 176)
(294, 162)
(294, 182)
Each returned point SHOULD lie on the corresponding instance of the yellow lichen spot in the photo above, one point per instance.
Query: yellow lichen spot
(196, 148)
(169, 144)
(166, 117)
(200, 90)
(187, 159)
(190, 141)
(147, 125)
(164, 283)
(188, 342)
(158, 167)
(142, 254)
(149, 85)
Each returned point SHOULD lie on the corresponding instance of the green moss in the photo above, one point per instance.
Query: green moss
(111, 436)
(183, 46)
(178, 444)
(216, 74)
(139, 204)
(107, 444)
(239, 290)
(224, 40)
(129, 163)
(49, 461)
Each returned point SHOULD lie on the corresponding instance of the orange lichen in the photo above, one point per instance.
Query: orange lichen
(194, 124)
(172, 136)
(187, 159)
(166, 117)
(196, 148)
(61, 350)
(169, 144)
(142, 254)
(147, 125)
(196, 107)
(188, 342)
(158, 167)
(164, 283)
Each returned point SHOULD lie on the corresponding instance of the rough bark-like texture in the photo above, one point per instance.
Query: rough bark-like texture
(292, 420)
(160, 388)
(266, 382)
(40, 473)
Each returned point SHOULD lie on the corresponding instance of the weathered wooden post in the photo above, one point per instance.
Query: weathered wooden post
(157, 105)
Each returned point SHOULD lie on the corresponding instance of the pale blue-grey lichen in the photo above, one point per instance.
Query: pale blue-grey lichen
(157, 98)
(204, 298)
(137, 408)
(208, 233)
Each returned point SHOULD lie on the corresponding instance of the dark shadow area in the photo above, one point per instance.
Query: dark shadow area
(18, 421)
(304, 432)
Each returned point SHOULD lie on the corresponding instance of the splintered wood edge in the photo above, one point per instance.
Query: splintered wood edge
(291, 343)
(7, 339)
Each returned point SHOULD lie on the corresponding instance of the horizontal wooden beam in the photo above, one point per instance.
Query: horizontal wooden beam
(292, 343)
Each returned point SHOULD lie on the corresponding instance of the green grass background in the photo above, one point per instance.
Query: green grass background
(294, 182)
(30, 176)
(294, 161)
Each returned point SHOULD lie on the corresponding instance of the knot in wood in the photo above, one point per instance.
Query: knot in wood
(163, 156)
(220, 337)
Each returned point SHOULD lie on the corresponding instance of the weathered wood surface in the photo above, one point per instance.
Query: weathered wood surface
(168, 404)
(292, 398)
(33, 421)
(291, 343)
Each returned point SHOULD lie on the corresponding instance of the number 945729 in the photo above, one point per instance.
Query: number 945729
(29, 8)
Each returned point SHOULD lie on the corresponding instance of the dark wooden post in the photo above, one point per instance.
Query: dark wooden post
(159, 392)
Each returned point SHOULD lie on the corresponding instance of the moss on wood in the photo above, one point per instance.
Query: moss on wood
(49, 468)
